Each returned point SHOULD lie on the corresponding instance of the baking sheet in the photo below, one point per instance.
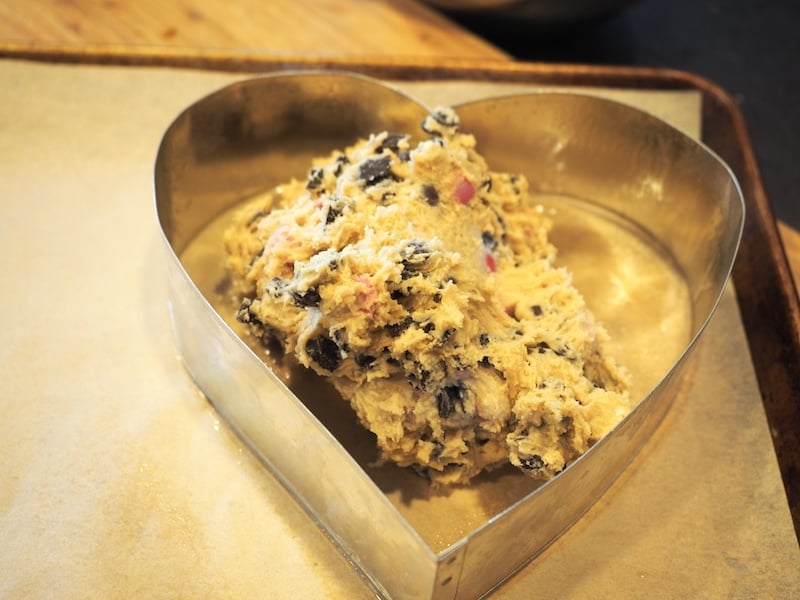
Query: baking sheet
(120, 479)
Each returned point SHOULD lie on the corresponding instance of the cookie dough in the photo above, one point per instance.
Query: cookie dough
(423, 285)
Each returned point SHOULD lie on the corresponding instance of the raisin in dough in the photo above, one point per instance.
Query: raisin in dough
(423, 285)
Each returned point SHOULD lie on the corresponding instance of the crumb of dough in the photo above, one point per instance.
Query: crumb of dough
(423, 285)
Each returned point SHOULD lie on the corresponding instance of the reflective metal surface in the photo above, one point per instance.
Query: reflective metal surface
(632, 167)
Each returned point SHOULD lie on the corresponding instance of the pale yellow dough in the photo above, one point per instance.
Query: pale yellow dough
(423, 285)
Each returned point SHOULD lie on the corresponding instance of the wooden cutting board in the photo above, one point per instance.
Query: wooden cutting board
(397, 28)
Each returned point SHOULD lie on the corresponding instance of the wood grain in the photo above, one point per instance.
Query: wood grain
(387, 28)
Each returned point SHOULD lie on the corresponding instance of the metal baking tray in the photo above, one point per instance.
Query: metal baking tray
(626, 176)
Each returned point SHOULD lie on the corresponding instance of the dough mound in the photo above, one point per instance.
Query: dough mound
(423, 285)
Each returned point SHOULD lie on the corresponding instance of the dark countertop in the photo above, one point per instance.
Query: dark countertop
(749, 48)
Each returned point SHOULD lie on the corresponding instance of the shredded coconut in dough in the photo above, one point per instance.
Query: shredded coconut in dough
(423, 285)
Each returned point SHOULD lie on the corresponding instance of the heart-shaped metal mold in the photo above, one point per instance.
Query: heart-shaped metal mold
(659, 196)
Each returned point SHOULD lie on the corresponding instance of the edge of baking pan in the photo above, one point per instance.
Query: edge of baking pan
(766, 292)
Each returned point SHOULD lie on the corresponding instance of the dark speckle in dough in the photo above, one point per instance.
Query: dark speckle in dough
(391, 142)
(449, 397)
(315, 177)
(447, 335)
(324, 351)
(308, 298)
(488, 240)
(364, 360)
(441, 117)
(275, 287)
(333, 214)
(414, 256)
(245, 314)
(395, 329)
(339, 164)
(533, 462)
(430, 194)
(374, 170)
